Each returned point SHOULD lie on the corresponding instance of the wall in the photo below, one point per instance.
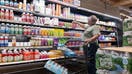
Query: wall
(99, 6)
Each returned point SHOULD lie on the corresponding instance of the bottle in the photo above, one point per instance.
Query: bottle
(11, 16)
(10, 56)
(2, 2)
(2, 13)
(7, 3)
(2, 41)
(16, 55)
(11, 3)
(12, 30)
(21, 55)
(15, 4)
(6, 41)
(36, 54)
(24, 17)
(4, 56)
(0, 57)
(24, 4)
(14, 41)
(20, 5)
(7, 14)
(28, 17)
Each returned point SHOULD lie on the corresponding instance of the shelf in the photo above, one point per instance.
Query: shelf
(73, 46)
(106, 41)
(83, 9)
(40, 36)
(107, 25)
(119, 49)
(38, 25)
(11, 47)
(108, 35)
(29, 61)
(107, 31)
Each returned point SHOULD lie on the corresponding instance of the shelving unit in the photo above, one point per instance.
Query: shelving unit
(76, 8)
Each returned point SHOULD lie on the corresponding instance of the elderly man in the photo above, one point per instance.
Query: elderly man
(90, 46)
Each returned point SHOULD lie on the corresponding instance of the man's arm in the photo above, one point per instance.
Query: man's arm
(80, 24)
(92, 39)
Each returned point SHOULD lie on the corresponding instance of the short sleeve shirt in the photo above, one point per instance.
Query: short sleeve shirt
(90, 31)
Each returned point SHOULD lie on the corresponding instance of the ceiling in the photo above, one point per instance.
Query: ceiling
(125, 6)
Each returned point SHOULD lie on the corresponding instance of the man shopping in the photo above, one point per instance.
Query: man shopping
(90, 46)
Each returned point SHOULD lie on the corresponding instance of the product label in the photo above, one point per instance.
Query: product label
(10, 58)
(4, 59)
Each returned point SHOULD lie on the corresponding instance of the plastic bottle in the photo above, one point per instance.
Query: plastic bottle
(6, 41)
(0, 57)
(2, 13)
(7, 3)
(24, 17)
(2, 41)
(2, 2)
(36, 54)
(20, 5)
(12, 30)
(14, 41)
(11, 3)
(10, 56)
(11, 16)
(7, 14)
(4, 56)
(15, 4)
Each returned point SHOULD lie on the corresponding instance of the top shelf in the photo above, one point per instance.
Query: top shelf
(83, 9)
(38, 14)
(107, 25)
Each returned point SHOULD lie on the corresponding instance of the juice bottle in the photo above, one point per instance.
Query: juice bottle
(11, 16)
(24, 17)
(28, 17)
(36, 54)
(31, 18)
(11, 3)
(20, 5)
(7, 14)
(2, 13)
(25, 55)
(4, 56)
(24, 4)
(31, 55)
(14, 41)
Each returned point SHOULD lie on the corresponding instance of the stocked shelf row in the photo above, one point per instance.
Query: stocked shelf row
(29, 61)
(39, 14)
(26, 47)
(39, 25)
(83, 9)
